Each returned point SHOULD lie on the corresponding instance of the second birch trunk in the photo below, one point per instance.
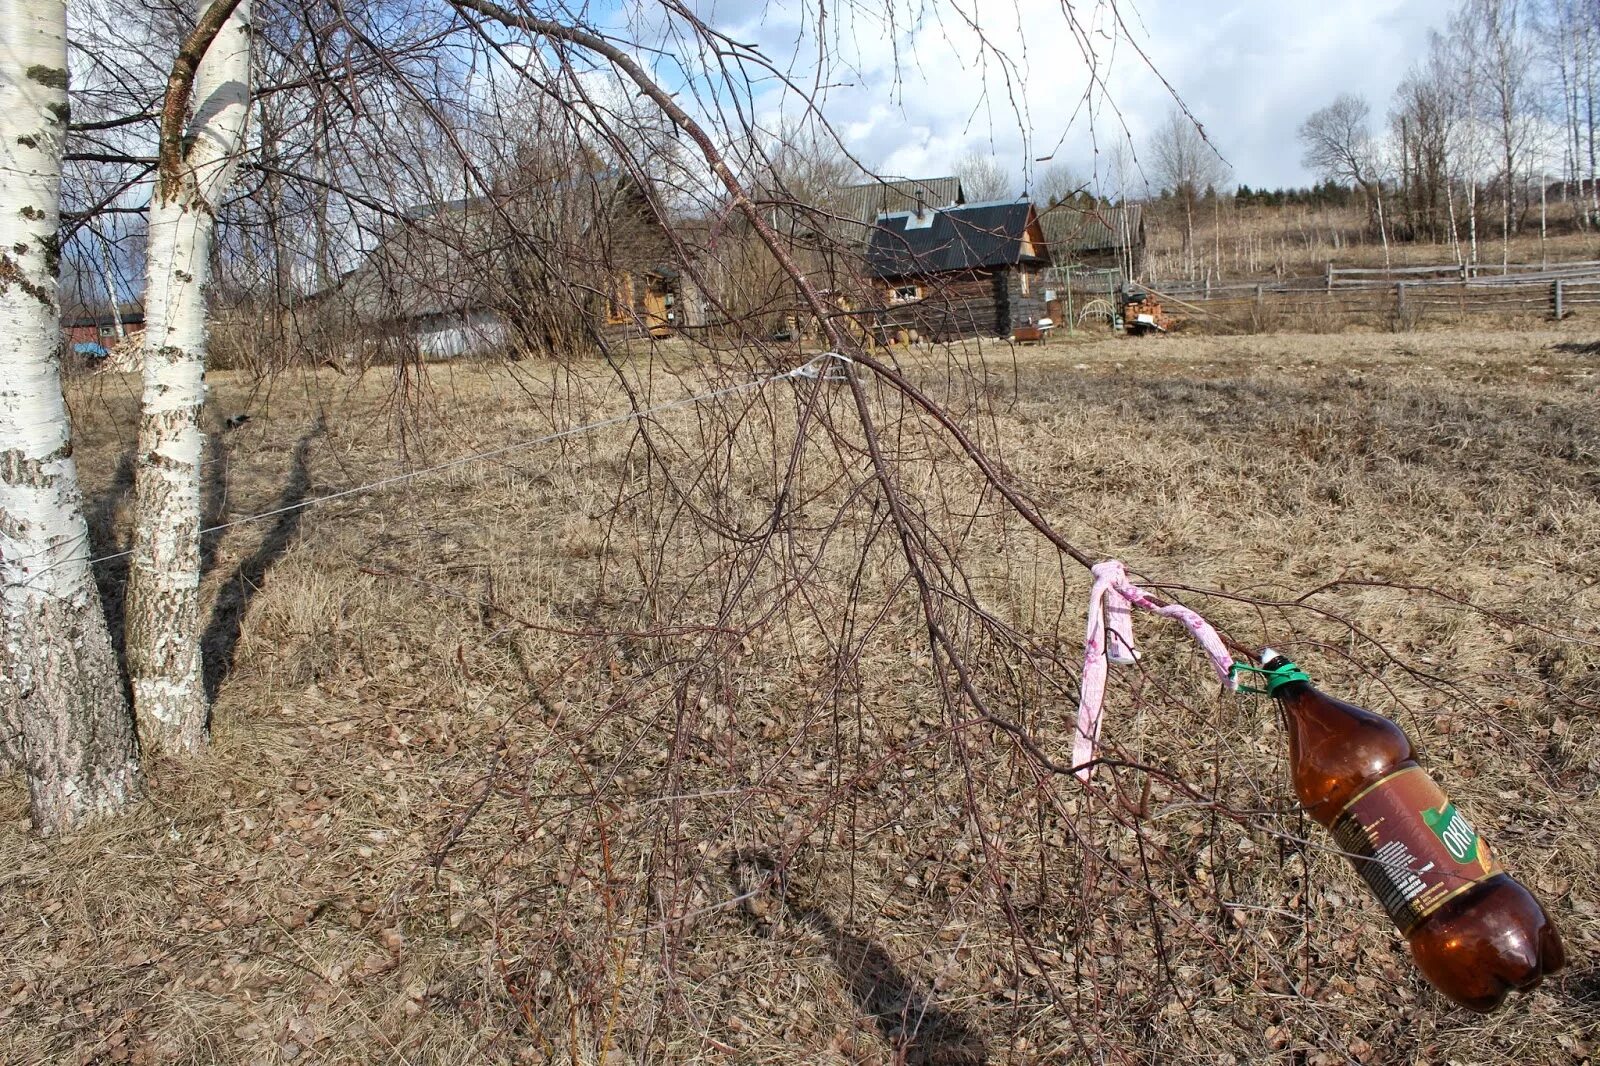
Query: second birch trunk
(164, 625)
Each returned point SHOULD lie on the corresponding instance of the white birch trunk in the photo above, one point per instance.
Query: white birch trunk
(110, 276)
(1472, 218)
(1450, 206)
(1594, 185)
(1505, 226)
(1383, 232)
(163, 615)
(79, 749)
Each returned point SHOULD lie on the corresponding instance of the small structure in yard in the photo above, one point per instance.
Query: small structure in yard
(94, 332)
(1142, 313)
(1099, 237)
(964, 271)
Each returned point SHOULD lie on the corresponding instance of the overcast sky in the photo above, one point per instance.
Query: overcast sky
(1250, 70)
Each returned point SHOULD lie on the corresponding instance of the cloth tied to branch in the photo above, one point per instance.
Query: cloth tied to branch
(1110, 638)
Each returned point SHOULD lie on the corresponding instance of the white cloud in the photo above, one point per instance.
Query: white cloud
(915, 99)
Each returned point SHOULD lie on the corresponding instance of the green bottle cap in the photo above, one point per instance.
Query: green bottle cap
(1275, 668)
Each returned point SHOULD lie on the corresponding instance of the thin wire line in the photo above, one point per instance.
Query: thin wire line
(802, 371)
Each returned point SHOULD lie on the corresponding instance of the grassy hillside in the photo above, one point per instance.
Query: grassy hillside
(1255, 241)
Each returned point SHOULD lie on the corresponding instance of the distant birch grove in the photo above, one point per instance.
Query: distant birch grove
(1488, 131)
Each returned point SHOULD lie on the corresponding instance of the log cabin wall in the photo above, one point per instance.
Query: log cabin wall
(946, 306)
(952, 306)
(640, 304)
(1024, 303)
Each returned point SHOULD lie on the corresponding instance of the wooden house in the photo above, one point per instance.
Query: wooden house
(965, 271)
(523, 269)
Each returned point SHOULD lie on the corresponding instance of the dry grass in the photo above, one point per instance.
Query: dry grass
(500, 750)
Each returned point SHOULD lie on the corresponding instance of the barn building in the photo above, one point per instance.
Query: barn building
(543, 270)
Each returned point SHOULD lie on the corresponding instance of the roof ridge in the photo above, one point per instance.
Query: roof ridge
(877, 183)
(1012, 201)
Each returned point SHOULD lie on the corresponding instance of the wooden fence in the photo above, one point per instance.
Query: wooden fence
(1405, 294)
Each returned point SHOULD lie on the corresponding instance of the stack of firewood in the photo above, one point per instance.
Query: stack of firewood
(1145, 304)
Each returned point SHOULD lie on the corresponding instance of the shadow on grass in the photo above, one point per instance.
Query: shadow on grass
(213, 499)
(1578, 347)
(904, 1010)
(220, 641)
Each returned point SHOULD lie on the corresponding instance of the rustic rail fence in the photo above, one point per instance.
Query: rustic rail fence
(1403, 294)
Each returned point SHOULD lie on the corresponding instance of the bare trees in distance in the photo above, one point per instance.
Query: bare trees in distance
(984, 177)
(1340, 147)
(1187, 164)
(1496, 119)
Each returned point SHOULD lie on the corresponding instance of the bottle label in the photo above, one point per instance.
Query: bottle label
(1411, 845)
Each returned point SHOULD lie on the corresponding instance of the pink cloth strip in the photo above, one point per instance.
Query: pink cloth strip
(1110, 637)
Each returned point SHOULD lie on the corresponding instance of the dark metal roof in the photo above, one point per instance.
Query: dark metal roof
(1068, 228)
(969, 237)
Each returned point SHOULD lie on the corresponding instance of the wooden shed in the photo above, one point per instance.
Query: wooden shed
(1099, 237)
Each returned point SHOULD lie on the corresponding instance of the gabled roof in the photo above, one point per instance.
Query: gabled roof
(968, 237)
(866, 202)
(1069, 228)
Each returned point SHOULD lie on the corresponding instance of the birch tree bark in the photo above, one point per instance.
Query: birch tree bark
(10, 705)
(197, 154)
(78, 745)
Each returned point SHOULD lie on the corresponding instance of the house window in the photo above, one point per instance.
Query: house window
(106, 331)
(905, 294)
(1024, 283)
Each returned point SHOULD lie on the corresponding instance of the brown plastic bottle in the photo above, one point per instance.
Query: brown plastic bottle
(1474, 931)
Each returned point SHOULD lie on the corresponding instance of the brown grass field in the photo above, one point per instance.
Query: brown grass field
(1237, 244)
(561, 757)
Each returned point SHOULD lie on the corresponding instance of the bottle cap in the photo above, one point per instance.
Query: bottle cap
(1275, 669)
